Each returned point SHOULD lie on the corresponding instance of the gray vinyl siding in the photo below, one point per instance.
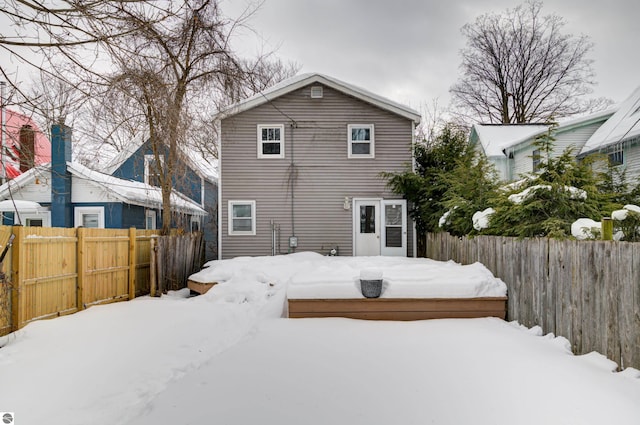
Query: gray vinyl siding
(322, 173)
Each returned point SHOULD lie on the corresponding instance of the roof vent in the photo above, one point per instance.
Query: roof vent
(316, 92)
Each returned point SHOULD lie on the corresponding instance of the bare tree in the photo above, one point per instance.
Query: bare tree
(170, 69)
(159, 68)
(519, 67)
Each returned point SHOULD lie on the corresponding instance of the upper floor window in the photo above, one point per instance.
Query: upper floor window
(271, 141)
(361, 141)
(153, 170)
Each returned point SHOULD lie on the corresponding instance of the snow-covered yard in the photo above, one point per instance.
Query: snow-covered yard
(227, 357)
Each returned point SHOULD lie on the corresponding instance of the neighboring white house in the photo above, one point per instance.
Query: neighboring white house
(619, 137)
(510, 147)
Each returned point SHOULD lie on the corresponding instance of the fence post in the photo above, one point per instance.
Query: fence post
(81, 267)
(132, 263)
(152, 268)
(607, 229)
(18, 266)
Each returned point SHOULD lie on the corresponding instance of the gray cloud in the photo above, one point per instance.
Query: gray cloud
(408, 50)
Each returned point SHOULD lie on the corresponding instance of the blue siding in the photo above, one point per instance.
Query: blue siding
(133, 216)
(188, 183)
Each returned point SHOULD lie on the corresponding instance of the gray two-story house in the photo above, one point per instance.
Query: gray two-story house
(300, 168)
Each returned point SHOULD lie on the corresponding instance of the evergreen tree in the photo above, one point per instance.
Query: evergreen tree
(549, 201)
(425, 187)
(472, 186)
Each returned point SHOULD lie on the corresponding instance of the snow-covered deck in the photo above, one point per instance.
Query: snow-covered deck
(413, 289)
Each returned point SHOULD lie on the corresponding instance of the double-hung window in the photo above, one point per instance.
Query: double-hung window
(361, 141)
(271, 141)
(242, 217)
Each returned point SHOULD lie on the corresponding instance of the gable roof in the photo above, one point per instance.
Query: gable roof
(127, 191)
(623, 125)
(194, 159)
(299, 81)
(495, 138)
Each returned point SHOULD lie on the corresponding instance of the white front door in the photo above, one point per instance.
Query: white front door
(366, 222)
(394, 227)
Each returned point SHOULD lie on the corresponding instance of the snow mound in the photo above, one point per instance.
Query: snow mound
(481, 218)
(619, 214)
(339, 277)
(585, 228)
(631, 372)
(599, 361)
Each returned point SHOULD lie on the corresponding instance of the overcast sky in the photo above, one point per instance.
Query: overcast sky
(408, 50)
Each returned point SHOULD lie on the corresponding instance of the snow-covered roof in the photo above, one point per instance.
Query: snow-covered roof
(495, 138)
(134, 192)
(623, 125)
(127, 191)
(194, 159)
(299, 81)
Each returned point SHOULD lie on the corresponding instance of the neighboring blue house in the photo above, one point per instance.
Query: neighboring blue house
(194, 177)
(72, 195)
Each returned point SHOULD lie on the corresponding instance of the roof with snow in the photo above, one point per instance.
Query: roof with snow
(299, 81)
(127, 191)
(495, 138)
(623, 125)
(194, 159)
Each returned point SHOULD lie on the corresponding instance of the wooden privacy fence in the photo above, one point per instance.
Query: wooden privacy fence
(54, 271)
(174, 259)
(586, 291)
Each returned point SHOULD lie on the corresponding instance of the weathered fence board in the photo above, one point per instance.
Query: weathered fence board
(586, 291)
(172, 271)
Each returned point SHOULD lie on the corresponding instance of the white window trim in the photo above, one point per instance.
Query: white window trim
(252, 232)
(260, 141)
(372, 151)
(78, 212)
(148, 159)
(45, 216)
(154, 217)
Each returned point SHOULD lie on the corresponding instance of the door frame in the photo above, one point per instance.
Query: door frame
(355, 220)
(381, 203)
(399, 251)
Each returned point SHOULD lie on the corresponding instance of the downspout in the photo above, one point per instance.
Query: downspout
(414, 236)
(292, 179)
(219, 206)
